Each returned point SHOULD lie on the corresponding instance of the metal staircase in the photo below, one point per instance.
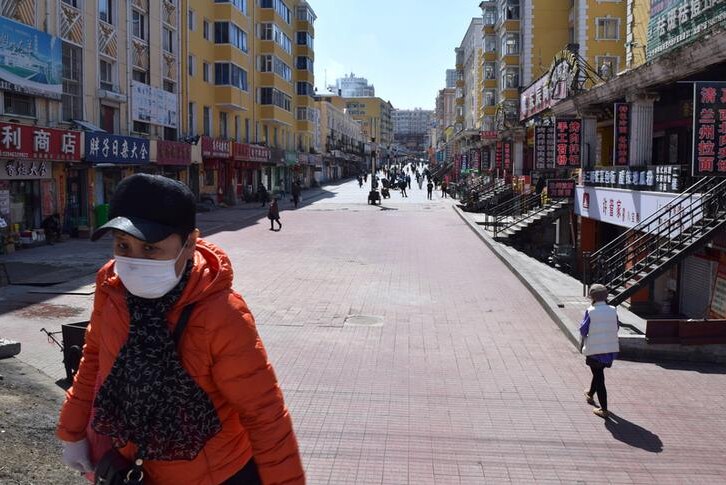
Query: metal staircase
(488, 198)
(528, 212)
(644, 252)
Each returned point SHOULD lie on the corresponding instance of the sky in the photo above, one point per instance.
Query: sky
(403, 47)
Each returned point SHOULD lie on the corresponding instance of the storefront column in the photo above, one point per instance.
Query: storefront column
(641, 139)
(518, 158)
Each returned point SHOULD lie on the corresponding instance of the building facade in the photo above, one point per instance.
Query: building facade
(374, 116)
(451, 78)
(343, 144)
(352, 87)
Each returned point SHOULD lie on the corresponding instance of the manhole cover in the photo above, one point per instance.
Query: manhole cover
(363, 321)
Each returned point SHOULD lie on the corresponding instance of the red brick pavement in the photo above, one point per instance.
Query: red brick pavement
(467, 380)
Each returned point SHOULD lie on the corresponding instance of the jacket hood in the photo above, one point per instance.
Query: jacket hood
(212, 273)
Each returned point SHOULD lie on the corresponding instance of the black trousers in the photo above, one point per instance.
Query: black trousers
(598, 385)
(246, 476)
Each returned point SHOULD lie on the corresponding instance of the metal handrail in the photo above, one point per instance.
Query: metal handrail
(498, 186)
(513, 207)
(475, 190)
(545, 206)
(639, 246)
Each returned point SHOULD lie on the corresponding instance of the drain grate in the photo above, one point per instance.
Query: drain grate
(363, 321)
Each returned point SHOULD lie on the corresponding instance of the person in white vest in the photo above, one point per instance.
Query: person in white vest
(599, 344)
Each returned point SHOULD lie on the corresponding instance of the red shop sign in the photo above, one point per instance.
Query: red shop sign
(709, 129)
(38, 143)
(488, 135)
(216, 148)
(173, 153)
(568, 140)
(498, 155)
(251, 153)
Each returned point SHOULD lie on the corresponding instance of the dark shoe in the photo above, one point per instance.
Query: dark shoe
(589, 397)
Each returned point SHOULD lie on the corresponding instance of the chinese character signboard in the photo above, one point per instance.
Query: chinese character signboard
(104, 148)
(675, 22)
(568, 138)
(173, 153)
(153, 105)
(507, 156)
(621, 131)
(36, 143)
(544, 146)
(498, 154)
(709, 129)
(488, 135)
(216, 148)
(535, 99)
(659, 178)
(30, 60)
(25, 170)
(251, 153)
(560, 189)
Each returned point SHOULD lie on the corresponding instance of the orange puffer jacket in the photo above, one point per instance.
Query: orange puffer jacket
(221, 350)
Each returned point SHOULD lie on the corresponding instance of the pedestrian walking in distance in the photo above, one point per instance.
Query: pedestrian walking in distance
(262, 194)
(408, 180)
(444, 187)
(296, 190)
(429, 190)
(154, 396)
(360, 181)
(402, 186)
(599, 344)
(273, 214)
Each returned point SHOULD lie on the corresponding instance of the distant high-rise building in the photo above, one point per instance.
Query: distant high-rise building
(352, 87)
(451, 78)
(411, 121)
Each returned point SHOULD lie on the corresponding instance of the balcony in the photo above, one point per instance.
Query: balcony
(111, 92)
(231, 98)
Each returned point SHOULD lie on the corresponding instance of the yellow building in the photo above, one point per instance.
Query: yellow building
(341, 138)
(374, 116)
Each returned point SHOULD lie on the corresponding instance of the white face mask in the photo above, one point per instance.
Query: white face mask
(148, 278)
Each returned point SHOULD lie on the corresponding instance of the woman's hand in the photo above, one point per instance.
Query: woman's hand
(76, 455)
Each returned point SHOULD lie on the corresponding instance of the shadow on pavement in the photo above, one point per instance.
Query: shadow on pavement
(633, 435)
(701, 368)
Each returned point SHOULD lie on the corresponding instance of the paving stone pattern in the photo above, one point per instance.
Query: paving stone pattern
(462, 378)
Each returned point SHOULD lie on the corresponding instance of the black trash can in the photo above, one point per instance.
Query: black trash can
(74, 336)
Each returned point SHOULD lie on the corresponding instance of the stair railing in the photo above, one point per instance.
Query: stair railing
(513, 207)
(537, 208)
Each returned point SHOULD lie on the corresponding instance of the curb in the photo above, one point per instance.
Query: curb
(554, 314)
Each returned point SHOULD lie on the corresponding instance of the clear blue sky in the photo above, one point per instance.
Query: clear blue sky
(403, 47)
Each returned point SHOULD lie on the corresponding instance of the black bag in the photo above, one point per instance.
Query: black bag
(113, 468)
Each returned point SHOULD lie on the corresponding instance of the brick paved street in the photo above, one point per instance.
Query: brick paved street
(461, 377)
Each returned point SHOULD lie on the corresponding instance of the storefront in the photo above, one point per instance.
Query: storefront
(250, 161)
(34, 168)
(172, 159)
(113, 158)
(218, 180)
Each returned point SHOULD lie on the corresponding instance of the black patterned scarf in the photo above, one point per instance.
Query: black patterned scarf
(148, 398)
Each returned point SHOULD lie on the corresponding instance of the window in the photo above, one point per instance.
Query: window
(140, 76)
(511, 44)
(269, 31)
(105, 70)
(275, 97)
(19, 104)
(510, 78)
(264, 63)
(169, 86)
(72, 3)
(490, 70)
(168, 40)
(105, 11)
(223, 124)
(304, 14)
(205, 30)
(140, 127)
(229, 33)
(279, 7)
(490, 16)
(608, 29)
(191, 121)
(304, 38)
(304, 63)
(72, 86)
(304, 89)
(282, 69)
(138, 24)
(228, 74)
(247, 130)
(191, 21)
(510, 10)
(490, 43)
(237, 135)
(205, 72)
(607, 66)
(191, 65)
(490, 97)
(240, 5)
(207, 121)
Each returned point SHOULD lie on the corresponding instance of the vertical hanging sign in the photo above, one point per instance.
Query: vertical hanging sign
(544, 146)
(568, 138)
(709, 129)
(621, 131)
(498, 155)
(507, 157)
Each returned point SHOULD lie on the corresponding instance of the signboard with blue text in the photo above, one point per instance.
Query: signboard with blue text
(675, 22)
(122, 150)
(30, 60)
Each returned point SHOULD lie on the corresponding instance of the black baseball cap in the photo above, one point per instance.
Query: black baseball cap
(151, 208)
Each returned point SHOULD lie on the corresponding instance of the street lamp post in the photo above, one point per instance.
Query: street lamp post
(373, 196)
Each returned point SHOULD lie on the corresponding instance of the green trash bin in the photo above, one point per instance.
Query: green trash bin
(101, 214)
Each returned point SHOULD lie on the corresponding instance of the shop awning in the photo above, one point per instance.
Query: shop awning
(87, 126)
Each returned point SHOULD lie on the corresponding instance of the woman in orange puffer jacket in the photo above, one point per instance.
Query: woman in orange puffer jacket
(208, 411)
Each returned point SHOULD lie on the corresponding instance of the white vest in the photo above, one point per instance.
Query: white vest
(603, 335)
